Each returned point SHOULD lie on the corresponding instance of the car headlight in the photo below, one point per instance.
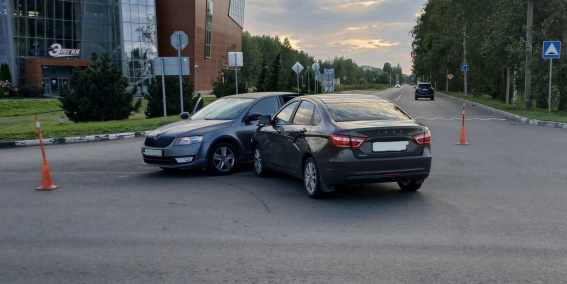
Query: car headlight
(189, 140)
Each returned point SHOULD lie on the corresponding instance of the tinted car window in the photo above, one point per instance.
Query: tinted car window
(265, 106)
(285, 114)
(365, 111)
(223, 109)
(316, 117)
(424, 86)
(304, 113)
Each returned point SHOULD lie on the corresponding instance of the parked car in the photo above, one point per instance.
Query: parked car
(424, 90)
(330, 140)
(216, 137)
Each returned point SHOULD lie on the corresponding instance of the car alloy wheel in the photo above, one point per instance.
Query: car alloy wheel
(409, 185)
(259, 163)
(311, 180)
(223, 159)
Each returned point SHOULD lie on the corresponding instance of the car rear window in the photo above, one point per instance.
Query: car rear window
(361, 111)
(424, 86)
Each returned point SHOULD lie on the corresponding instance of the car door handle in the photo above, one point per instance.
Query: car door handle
(303, 130)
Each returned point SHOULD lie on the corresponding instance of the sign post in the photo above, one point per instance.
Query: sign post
(297, 68)
(551, 50)
(317, 70)
(169, 66)
(179, 41)
(465, 68)
(235, 59)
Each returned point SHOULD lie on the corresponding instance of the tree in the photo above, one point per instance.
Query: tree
(154, 96)
(262, 78)
(5, 74)
(99, 93)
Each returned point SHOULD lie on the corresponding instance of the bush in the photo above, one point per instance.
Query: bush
(173, 105)
(31, 91)
(99, 94)
(8, 90)
(5, 74)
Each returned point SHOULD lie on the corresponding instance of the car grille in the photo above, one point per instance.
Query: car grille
(160, 142)
(159, 160)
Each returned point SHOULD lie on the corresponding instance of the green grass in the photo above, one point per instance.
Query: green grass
(519, 109)
(24, 107)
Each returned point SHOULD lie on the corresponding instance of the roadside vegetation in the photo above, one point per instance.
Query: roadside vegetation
(17, 118)
(495, 34)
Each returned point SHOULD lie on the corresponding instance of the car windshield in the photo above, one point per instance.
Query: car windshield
(364, 111)
(223, 109)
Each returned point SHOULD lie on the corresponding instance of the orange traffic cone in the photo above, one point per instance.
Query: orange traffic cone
(463, 140)
(46, 182)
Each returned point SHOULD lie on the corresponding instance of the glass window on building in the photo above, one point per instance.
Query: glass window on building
(236, 11)
(209, 28)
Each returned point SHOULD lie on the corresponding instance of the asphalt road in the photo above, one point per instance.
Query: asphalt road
(494, 211)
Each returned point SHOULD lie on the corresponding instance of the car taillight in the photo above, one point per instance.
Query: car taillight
(423, 138)
(346, 141)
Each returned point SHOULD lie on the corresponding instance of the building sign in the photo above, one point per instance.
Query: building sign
(57, 51)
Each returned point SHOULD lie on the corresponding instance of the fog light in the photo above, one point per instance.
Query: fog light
(184, 160)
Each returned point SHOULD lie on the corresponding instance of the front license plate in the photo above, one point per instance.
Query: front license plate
(390, 146)
(153, 153)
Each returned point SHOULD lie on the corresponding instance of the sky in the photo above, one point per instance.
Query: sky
(370, 32)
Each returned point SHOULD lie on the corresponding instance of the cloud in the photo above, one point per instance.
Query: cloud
(370, 32)
(353, 44)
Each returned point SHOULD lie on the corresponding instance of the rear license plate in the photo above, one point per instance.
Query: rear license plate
(390, 146)
(153, 153)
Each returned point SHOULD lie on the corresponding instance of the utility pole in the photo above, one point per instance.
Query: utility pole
(465, 53)
(528, 78)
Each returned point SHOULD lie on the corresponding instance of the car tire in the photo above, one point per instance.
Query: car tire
(260, 168)
(312, 179)
(409, 185)
(416, 97)
(432, 98)
(223, 159)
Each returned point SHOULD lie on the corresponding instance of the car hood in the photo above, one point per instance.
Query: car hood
(190, 127)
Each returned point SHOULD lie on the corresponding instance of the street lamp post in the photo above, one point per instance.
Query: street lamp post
(196, 78)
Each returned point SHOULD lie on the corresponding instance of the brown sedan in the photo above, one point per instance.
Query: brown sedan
(329, 140)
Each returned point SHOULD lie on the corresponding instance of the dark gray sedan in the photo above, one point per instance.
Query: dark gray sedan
(216, 137)
(329, 140)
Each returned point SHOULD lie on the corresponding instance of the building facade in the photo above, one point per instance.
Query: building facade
(215, 29)
(43, 40)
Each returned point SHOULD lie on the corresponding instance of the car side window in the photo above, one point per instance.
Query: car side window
(304, 113)
(316, 117)
(265, 106)
(283, 117)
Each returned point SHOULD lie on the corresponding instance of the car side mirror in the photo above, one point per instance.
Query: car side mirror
(184, 115)
(252, 117)
(264, 120)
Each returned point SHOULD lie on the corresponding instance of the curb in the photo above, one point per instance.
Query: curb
(514, 117)
(71, 140)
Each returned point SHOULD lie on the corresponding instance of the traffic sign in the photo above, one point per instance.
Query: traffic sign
(179, 40)
(551, 49)
(297, 67)
(465, 67)
(450, 76)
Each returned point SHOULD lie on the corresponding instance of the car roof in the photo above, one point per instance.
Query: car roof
(345, 98)
(260, 95)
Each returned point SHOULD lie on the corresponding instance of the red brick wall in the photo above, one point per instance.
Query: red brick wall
(190, 17)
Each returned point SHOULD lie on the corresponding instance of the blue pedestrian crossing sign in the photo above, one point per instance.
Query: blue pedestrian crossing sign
(551, 49)
(464, 67)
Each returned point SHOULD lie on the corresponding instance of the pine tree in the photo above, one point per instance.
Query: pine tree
(100, 93)
(5, 74)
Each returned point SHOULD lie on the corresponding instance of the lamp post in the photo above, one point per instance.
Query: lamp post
(196, 78)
